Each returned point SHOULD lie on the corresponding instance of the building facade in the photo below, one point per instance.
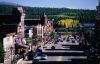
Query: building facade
(9, 26)
(41, 27)
(97, 24)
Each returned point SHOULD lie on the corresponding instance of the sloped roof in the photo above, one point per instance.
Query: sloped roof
(5, 29)
(9, 19)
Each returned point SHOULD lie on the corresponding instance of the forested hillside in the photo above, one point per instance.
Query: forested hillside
(61, 13)
(53, 13)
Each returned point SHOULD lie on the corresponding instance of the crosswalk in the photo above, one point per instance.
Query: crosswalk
(64, 53)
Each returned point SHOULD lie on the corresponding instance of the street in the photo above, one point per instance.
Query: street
(63, 53)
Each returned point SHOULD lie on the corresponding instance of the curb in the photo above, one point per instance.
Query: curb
(20, 61)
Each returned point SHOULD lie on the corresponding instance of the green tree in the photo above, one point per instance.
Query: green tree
(1, 53)
(37, 40)
(52, 34)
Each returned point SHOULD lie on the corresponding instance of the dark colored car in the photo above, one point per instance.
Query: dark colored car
(67, 40)
(64, 38)
(52, 47)
(39, 51)
(43, 57)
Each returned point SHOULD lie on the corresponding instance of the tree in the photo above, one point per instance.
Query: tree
(37, 40)
(68, 22)
(52, 34)
(1, 53)
(28, 40)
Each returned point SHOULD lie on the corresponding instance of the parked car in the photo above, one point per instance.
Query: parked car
(67, 40)
(56, 42)
(39, 51)
(64, 38)
(31, 55)
(73, 41)
(43, 57)
(52, 47)
(61, 40)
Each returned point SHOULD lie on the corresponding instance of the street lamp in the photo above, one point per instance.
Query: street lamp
(11, 48)
(81, 29)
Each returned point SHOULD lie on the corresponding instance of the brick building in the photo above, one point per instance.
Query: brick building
(9, 26)
(40, 26)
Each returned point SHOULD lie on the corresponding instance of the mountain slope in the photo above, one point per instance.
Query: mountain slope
(52, 13)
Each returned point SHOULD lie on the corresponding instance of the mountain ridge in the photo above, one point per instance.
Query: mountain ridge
(9, 3)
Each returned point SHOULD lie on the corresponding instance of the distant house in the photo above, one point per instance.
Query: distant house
(34, 23)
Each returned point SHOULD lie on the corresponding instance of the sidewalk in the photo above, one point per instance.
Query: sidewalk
(20, 61)
(7, 57)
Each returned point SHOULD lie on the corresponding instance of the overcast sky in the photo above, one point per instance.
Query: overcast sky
(75, 4)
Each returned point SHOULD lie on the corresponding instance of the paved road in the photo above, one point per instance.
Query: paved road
(59, 58)
(68, 51)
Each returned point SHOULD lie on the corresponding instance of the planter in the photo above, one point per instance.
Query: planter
(1, 60)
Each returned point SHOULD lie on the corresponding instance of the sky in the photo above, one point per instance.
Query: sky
(73, 4)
